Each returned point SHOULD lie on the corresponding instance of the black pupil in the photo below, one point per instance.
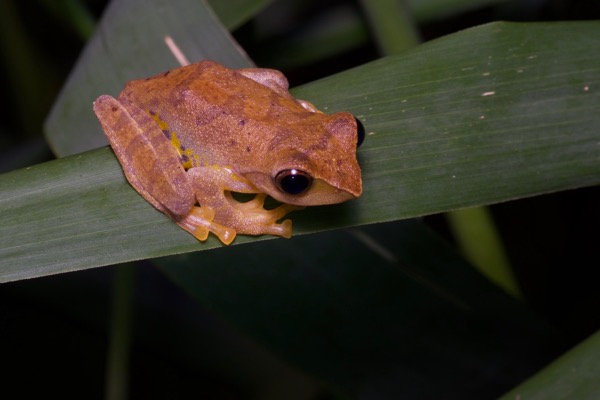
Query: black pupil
(294, 183)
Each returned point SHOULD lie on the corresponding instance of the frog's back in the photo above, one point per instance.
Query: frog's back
(212, 114)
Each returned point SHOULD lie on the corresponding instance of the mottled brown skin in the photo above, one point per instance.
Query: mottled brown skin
(189, 137)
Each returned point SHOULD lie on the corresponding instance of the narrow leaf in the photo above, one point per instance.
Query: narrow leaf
(572, 376)
(449, 127)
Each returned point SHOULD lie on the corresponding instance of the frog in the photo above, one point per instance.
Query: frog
(194, 139)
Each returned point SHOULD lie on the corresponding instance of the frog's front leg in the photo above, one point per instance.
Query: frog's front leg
(213, 186)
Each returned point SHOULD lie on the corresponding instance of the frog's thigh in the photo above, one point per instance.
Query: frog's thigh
(271, 78)
(149, 161)
(277, 82)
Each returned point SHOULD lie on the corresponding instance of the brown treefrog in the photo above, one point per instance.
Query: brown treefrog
(191, 136)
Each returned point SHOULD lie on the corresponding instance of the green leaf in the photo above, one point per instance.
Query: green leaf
(473, 230)
(489, 114)
(572, 376)
(59, 216)
(393, 27)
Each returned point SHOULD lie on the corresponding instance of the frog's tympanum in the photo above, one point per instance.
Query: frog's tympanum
(189, 137)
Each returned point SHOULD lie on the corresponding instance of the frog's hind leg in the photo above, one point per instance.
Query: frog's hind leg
(154, 168)
(150, 162)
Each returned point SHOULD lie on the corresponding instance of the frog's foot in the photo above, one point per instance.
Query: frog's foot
(255, 220)
(199, 222)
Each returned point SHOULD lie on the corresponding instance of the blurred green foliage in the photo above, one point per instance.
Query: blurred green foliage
(57, 327)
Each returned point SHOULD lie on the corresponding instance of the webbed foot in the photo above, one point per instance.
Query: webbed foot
(199, 222)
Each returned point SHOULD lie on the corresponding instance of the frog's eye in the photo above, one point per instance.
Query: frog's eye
(293, 181)
(361, 132)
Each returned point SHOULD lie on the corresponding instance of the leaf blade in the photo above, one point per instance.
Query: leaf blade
(430, 153)
(573, 375)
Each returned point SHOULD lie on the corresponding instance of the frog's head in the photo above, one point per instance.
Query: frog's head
(318, 165)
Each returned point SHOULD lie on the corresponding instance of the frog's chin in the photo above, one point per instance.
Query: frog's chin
(320, 193)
